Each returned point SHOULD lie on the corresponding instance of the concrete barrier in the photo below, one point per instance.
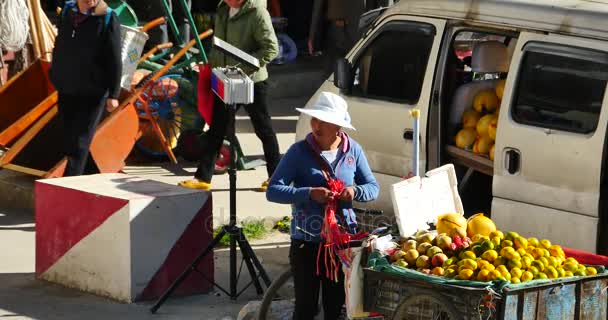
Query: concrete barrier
(120, 236)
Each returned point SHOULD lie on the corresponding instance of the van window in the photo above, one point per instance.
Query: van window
(392, 67)
(561, 88)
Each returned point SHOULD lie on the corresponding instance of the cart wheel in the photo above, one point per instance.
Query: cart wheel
(426, 305)
(168, 110)
(279, 299)
(190, 146)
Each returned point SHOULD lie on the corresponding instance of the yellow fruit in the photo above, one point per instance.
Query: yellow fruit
(469, 264)
(570, 266)
(480, 224)
(591, 271)
(526, 261)
(506, 243)
(490, 255)
(467, 255)
(513, 255)
(534, 270)
(533, 242)
(483, 124)
(515, 263)
(551, 272)
(522, 252)
(568, 273)
(516, 272)
(555, 250)
(500, 89)
(553, 262)
(527, 276)
(506, 276)
(537, 253)
(450, 223)
(478, 237)
(492, 128)
(545, 261)
(561, 272)
(520, 243)
(511, 235)
(581, 273)
(488, 266)
(545, 243)
(485, 100)
(450, 273)
(494, 275)
(515, 280)
(506, 250)
(500, 261)
(470, 118)
(465, 138)
(482, 145)
(496, 242)
(572, 260)
(541, 275)
(497, 233)
(502, 269)
(491, 153)
(466, 274)
(539, 265)
(483, 275)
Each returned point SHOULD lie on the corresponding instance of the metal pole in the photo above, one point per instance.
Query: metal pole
(199, 43)
(415, 113)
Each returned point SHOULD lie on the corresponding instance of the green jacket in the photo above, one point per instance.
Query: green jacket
(249, 30)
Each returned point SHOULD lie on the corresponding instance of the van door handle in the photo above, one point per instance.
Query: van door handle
(408, 134)
(512, 162)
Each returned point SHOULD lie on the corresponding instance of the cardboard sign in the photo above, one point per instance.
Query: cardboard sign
(418, 201)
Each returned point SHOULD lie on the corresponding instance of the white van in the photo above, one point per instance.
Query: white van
(548, 176)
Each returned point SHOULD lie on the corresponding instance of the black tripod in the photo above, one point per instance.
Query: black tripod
(236, 237)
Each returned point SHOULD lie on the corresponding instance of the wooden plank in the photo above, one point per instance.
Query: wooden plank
(593, 299)
(529, 306)
(557, 303)
(470, 159)
(30, 171)
(510, 307)
(27, 137)
(7, 136)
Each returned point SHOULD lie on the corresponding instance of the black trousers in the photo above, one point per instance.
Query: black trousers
(303, 260)
(80, 116)
(262, 124)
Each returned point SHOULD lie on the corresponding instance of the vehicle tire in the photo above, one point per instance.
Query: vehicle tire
(281, 288)
(415, 306)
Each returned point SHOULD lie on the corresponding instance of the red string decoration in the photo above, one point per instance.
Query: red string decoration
(335, 240)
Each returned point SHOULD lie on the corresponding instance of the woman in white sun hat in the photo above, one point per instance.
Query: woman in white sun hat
(302, 179)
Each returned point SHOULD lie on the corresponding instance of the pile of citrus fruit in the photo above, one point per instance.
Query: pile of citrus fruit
(484, 253)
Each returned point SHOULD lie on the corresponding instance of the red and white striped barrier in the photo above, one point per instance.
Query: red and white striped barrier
(121, 236)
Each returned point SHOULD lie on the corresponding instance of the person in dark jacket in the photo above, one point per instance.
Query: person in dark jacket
(86, 71)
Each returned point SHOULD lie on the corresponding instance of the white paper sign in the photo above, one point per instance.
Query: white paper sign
(418, 201)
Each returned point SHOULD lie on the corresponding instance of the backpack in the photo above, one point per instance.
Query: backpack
(69, 5)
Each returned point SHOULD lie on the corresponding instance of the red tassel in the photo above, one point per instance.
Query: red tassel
(205, 94)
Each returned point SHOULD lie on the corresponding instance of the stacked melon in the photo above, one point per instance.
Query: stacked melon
(480, 122)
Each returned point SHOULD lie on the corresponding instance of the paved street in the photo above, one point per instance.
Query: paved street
(24, 297)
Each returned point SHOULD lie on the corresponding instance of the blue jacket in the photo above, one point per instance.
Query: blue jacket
(299, 170)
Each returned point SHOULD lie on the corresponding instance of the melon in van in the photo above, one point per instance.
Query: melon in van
(485, 100)
(492, 128)
(482, 145)
(465, 138)
(470, 118)
(484, 123)
(500, 89)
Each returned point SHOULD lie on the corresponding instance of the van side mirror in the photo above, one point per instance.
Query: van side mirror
(343, 74)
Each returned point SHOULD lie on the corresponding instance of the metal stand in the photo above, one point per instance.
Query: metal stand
(255, 268)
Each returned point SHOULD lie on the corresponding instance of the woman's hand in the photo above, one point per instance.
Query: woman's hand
(111, 104)
(348, 194)
(320, 194)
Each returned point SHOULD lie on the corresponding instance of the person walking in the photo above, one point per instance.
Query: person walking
(305, 178)
(246, 25)
(86, 71)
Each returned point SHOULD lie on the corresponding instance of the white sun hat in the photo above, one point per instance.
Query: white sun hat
(331, 108)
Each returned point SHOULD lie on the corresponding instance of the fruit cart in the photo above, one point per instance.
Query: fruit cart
(444, 274)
